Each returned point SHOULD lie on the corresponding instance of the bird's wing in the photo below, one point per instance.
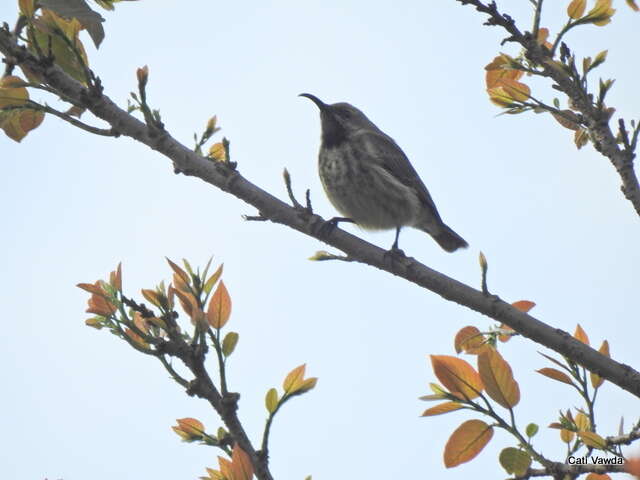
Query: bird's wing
(383, 150)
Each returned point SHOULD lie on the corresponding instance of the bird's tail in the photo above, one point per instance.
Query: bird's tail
(445, 236)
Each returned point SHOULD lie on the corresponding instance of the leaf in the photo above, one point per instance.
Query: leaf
(229, 343)
(78, 9)
(597, 476)
(189, 429)
(576, 8)
(294, 379)
(515, 461)
(219, 307)
(581, 138)
(180, 272)
(13, 92)
(634, 6)
(592, 439)
(442, 408)
(582, 422)
(218, 152)
(271, 400)
(497, 377)
(597, 380)
(567, 119)
(600, 14)
(18, 123)
(62, 36)
(470, 340)
(531, 430)
(581, 335)
(598, 60)
(566, 435)
(242, 468)
(523, 305)
(466, 442)
(555, 375)
(152, 296)
(506, 335)
(213, 279)
(457, 376)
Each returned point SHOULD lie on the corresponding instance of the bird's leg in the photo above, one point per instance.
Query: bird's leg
(395, 252)
(328, 226)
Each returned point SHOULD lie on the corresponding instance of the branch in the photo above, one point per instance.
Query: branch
(231, 181)
(596, 120)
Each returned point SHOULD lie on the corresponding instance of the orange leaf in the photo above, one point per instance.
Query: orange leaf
(152, 296)
(179, 271)
(523, 305)
(581, 335)
(497, 377)
(445, 407)
(294, 379)
(632, 466)
(457, 376)
(466, 442)
(556, 375)
(470, 340)
(189, 429)
(543, 34)
(505, 337)
(99, 305)
(115, 278)
(597, 476)
(597, 380)
(242, 468)
(219, 307)
(187, 301)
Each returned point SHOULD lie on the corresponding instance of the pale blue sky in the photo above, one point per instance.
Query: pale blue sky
(78, 403)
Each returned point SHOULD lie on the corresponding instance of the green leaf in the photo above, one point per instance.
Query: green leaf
(229, 343)
(208, 286)
(531, 430)
(515, 461)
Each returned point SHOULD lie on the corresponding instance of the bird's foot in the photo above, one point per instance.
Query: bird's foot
(394, 256)
(329, 226)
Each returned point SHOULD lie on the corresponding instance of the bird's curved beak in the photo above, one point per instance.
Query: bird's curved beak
(320, 104)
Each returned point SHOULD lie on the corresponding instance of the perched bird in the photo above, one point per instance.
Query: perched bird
(370, 180)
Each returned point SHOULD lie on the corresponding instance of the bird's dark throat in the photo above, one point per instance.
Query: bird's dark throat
(333, 134)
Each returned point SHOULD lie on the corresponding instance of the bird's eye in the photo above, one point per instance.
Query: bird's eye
(345, 113)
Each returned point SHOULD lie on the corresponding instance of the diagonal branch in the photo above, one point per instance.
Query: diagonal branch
(230, 180)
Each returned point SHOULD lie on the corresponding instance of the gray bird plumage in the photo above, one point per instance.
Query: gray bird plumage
(370, 180)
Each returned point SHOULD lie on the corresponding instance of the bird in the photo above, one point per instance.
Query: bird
(369, 179)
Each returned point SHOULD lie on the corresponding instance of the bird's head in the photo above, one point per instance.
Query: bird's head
(339, 120)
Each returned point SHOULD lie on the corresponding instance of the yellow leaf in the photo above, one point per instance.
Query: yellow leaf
(497, 377)
(581, 138)
(555, 375)
(457, 376)
(12, 92)
(576, 8)
(271, 400)
(442, 408)
(594, 440)
(566, 435)
(600, 14)
(213, 279)
(466, 442)
(582, 421)
(219, 307)
(218, 152)
(189, 429)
